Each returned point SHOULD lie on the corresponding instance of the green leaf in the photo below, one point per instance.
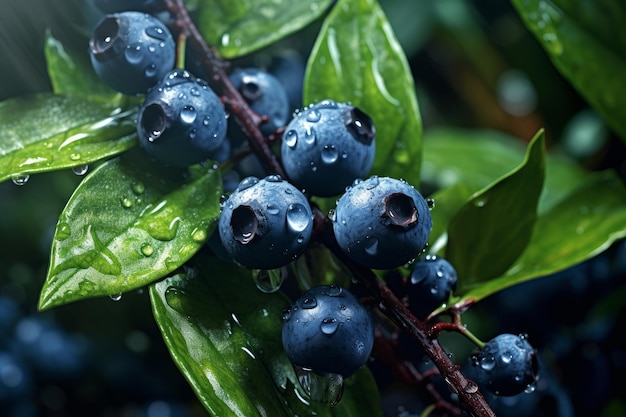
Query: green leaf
(579, 227)
(494, 226)
(357, 58)
(587, 44)
(126, 226)
(46, 132)
(225, 336)
(239, 27)
(74, 76)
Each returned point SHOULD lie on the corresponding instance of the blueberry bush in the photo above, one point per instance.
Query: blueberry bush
(314, 208)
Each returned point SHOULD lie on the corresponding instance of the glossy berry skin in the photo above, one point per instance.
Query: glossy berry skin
(265, 224)
(431, 282)
(327, 146)
(264, 94)
(182, 121)
(327, 330)
(507, 365)
(381, 222)
(131, 51)
(114, 6)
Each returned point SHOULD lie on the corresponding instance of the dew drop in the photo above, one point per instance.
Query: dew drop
(133, 54)
(199, 235)
(63, 231)
(329, 325)
(156, 33)
(313, 116)
(371, 246)
(272, 209)
(192, 133)
(150, 70)
(126, 202)
(309, 303)
(310, 136)
(334, 291)
(147, 249)
(247, 183)
(80, 170)
(488, 362)
(188, 114)
(273, 178)
(326, 388)
(75, 156)
(298, 217)
(116, 297)
(372, 182)
(287, 314)
(506, 357)
(329, 154)
(269, 280)
(20, 179)
(480, 202)
(194, 91)
(332, 215)
(138, 187)
(174, 299)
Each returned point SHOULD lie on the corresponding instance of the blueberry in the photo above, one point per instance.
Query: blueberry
(114, 6)
(327, 146)
(131, 51)
(264, 94)
(507, 365)
(289, 67)
(382, 222)
(265, 224)
(432, 281)
(327, 330)
(182, 121)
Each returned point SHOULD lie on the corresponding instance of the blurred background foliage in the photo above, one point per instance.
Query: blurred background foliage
(475, 66)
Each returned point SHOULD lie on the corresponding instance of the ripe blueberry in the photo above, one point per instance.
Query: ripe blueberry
(327, 330)
(181, 121)
(131, 51)
(265, 224)
(432, 281)
(381, 222)
(264, 94)
(507, 364)
(327, 146)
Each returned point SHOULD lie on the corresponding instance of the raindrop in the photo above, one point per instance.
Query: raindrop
(329, 154)
(371, 246)
(272, 209)
(173, 298)
(309, 302)
(372, 182)
(329, 325)
(313, 116)
(286, 314)
(199, 235)
(326, 388)
(147, 249)
(63, 231)
(188, 114)
(480, 202)
(150, 70)
(156, 33)
(192, 133)
(298, 217)
(431, 203)
(138, 187)
(116, 297)
(506, 357)
(471, 387)
(273, 178)
(310, 136)
(269, 280)
(126, 202)
(133, 54)
(20, 179)
(80, 170)
(75, 156)
(247, 183)
(332, 215)
(334, 291)
(194, 91)
(488, 362)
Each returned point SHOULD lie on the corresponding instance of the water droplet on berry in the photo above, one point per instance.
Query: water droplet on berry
(291, 138)
(488, 362)
(372, 182)
(287, 314)
(188, 114)
(80, 170)
(133, 53)
(298, 218)
(506, 357)
(310, 136)
(272, 209)
(194, 91)
(146, 249)
(326, 388)
(334, 291)
(150, 70)
(329, 325)
(371, 246)
(193, 133)
(116, 297)
(332, 215)
(20, 179)
(313, 116)
(309, 303)
(247, 183)
(273, 178)
(156, 33)
(329, 154)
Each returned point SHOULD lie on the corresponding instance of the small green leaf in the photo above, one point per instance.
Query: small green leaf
(74, 76)
(225, 336)
(239, 27)
(577, 228)
(494, 226)
(586, 42)
(126, 226)
(46, 132)
(357, 58)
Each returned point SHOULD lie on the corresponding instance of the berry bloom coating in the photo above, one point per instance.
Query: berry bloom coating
(507, 365)
(265, 224)
(182, 121)
(114, 6)
(264, 94)
(327, 146)
(381, 222)
(432, 281)
(327, 330)
(131, 51)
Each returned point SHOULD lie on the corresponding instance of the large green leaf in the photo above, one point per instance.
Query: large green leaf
(586, 42)
(239, 27)
(357, 58)
(225, 336)
(126, 226)
(46, 132)
(72, 75)
(579, 227)
(494, 226)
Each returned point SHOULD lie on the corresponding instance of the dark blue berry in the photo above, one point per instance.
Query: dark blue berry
(327, 330)
(131, 51)
(114, 6)
(289, 67)
(265, 224)
(182, 121)
(507, 365)
(264, 94)
(327, 146)
(431, 282)
(382, 222)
